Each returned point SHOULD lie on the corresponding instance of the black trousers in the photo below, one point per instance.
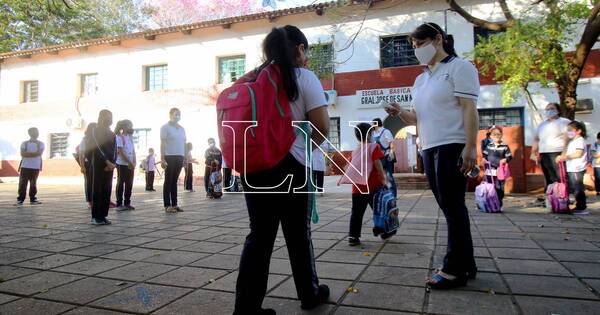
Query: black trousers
(101, 189)
(597, 179)
(88, 182)
(267, 211)
(318, 179)
(149, 180)
(227, 178)
(28, 175)
(499, 185)
(577, 188)
(124, 185)
(550, 168)
(359, 206)
(174, 165)
(448, 184)
(207, 171)
(188, 182)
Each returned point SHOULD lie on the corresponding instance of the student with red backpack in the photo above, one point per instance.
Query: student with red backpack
(278, 92)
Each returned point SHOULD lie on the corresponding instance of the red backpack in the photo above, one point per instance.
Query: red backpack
(257, 96)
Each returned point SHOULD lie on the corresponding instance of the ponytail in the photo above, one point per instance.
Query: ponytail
(430, 31)
(280, 48)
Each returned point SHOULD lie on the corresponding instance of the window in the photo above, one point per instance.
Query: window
(397, 51)
(156, 77)
(585, 105)
(334, 131)
(321, 59)
(501, 117)
(140, 140)
(30, 91)
(89, 84)
(59, 142)
(482, 33)
(231, 68)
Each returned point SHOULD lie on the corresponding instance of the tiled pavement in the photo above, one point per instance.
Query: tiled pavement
(53, 262)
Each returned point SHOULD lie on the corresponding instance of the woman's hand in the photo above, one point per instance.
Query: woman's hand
(163, 164)
(560, 158)
(393, 109)
(468, 156)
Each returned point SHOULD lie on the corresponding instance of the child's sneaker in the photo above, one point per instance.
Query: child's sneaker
(129, 207)
(18, 203)
(96, 222)
(178, 209)
(353, 241)
(121, 208)
(35, 202)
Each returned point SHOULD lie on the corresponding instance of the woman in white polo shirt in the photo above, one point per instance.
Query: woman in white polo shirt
(445, 112)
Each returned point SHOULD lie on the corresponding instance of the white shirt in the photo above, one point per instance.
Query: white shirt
(319, 158)
(595, 148)
(435, 100)
(385, 137)
(578, 164)
(151, 163)
(125, 142)
(552, 135)
(174, 138)
(310, 96)
(31, 147)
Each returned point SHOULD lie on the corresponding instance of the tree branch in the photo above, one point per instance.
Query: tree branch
(590, 35)
(494, 26)
(506, 11)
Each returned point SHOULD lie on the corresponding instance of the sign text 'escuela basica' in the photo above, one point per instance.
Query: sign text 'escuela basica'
(371, 98)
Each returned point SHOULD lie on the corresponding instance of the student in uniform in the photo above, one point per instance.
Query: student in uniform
(445, 112)
(102, 152)
(211, 154)
(286, 47)
(172, 154)
(189, 169)
(496, 153)
(126, 162)
(576, 159)
(30, 167)
(85, 163)
(150, 168)
(216, 181)
(385, 139)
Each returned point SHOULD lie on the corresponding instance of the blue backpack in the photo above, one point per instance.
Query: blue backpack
(385, 213)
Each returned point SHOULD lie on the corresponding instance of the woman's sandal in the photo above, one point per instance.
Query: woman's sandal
(437, 281)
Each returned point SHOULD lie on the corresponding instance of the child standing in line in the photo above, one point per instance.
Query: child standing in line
(576, 157)
(216, 181)
(596, 163)
(30, 167)
(125, 164)
(362, 195)
(149, 166)
(188, 168)
(497, 153)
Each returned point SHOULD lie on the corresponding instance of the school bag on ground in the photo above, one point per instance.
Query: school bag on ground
(216, 187)
(486, 197)
(259, 97)
(557, 194)
(385, 213)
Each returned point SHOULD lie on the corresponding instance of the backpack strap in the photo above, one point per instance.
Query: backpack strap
(563, 175)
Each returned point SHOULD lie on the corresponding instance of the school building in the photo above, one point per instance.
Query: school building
(362, 51)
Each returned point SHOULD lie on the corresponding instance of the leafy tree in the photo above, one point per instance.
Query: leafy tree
(532, 47)
(37, 23)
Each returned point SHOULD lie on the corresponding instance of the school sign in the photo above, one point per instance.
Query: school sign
(371, 98)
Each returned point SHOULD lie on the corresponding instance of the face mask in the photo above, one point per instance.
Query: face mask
(571, 134)
(425, 54)
(212, 145)
(551, 113)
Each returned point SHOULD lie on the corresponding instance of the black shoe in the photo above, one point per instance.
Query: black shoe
(321, 298)
(385, 236)
(440, 283)
(472, 274)
(18, 203)
(353, 241)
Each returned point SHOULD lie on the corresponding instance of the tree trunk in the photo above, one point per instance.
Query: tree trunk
(536, 115)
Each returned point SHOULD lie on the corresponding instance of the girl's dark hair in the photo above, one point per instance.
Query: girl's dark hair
(121, 124)
(430, 31)
(578, 125)
(598, 135)
(279, 47)
(362, 132)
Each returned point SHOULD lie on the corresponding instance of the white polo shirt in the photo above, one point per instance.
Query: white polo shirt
(31, 147)
(174, 137)
(125, 142)
(552, 135)
(435, 100)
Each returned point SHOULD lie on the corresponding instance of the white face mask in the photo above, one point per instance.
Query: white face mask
(425, 53)
(551, 113)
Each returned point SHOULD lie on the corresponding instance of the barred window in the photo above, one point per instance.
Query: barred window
(231, 68)
(334, 131)
(59, 143)
(30, 91)
(141, 138)
(156, 77)
(397, 51)
(89, 84)
(500, 117)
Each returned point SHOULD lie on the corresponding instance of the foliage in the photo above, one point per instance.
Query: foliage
(321, 59)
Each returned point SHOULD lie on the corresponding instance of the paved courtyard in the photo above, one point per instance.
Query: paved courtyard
(53, 262)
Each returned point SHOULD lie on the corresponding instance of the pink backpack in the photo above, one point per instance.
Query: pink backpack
(353, 171)
(257, 97)
(486, 197)
(557, 194)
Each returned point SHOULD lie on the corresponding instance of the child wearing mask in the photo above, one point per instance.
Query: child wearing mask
(216, 181)
(149, 167)
(496, 153)
(125, 164)
(576, 159)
